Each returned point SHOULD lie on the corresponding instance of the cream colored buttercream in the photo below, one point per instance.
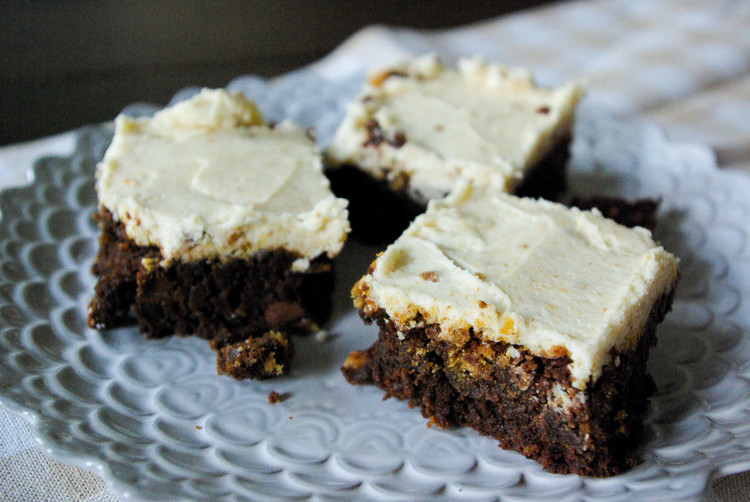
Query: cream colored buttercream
(482, 122)
(206, 178)
(528, 272)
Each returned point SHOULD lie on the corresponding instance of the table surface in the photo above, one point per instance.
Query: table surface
(682, 64)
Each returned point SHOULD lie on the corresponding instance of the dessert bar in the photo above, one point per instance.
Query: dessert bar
(419, 127)
(214, 223)
(526, 320)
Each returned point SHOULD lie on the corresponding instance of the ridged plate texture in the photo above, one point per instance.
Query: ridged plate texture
(154, 419)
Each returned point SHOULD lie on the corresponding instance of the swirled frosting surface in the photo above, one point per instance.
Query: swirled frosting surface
(207, 178)
(435, 125)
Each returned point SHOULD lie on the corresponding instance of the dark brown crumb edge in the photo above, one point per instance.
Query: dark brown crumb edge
(636, 213)
(379, 209)
(228, 301)
(259, 357)
(273, 397)
(506, 398)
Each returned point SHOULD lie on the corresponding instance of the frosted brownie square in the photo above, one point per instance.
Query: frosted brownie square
(419, 127)
(526, 320)
(215, 224)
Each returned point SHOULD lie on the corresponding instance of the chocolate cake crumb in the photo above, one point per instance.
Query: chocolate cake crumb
(274, 397)
(259, 357)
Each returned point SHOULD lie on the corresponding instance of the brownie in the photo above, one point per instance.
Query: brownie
(526, 320)
(217, 225)
(419, 127)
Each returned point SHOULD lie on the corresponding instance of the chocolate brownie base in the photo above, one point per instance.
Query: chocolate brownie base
(116, 266)
(548, 178)
(380, 209)
(229, 300)
(640, 213)
(476, 384)
(378, 213)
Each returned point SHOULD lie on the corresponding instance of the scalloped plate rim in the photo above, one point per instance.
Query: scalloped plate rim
(93, 463)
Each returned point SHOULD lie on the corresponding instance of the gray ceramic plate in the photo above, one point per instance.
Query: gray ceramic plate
(154, 419)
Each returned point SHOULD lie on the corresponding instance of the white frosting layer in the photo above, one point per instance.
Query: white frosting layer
(528, 272)
(206, 178)
(483, 122)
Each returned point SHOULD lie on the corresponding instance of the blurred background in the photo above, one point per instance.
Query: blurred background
(67, 63)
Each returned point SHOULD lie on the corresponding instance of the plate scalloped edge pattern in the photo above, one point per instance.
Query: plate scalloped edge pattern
(156, 422)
